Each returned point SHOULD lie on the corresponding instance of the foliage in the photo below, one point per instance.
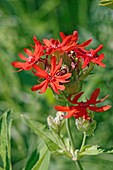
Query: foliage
(20, 21)
(108, 3)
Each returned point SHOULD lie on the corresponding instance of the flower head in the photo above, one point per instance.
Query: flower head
(32, 58)
(81, 108)
(67, 44)
(91, 56)
(51, 77)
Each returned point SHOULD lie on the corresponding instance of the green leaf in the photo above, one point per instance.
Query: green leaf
(44, 159)
(5, 150)
(108, 150)
(43, 131)
(91, 150)
(39, 159)
(107, 3)
(32, 160)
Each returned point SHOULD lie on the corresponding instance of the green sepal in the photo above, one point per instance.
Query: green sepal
(107, 3)
(5, 148)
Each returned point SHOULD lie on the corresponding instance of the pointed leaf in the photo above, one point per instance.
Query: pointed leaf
(5, 129)
(108, 150)
(91, 150)
(34, 157)
(39, 159)
(107, 3)
(42, 131)
(44, 159)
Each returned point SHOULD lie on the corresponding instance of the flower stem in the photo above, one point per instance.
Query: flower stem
(70, 134)
(79, 166)
(83, 141)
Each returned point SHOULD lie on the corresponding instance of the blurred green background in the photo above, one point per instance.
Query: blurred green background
(20, 20)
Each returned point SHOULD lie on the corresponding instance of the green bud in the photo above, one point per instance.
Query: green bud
(71, 87)
(87, 126)
(56, 123)
(66, 59)
(87, 71)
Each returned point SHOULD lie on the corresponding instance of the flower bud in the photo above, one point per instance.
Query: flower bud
(56, 123)
(87, 126)
(73, 87)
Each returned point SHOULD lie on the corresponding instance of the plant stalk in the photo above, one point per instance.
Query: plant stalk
(83, 141)
(79, 166)
(70, 134)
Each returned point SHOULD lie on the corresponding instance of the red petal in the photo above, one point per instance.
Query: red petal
(17, 64)
(40, 72)
(99, 109)
(74, 100)
(101, 100)
(55, 86)
(97, 49)
(62, 108)
(22, 57)
(94, 96)
(53, 65)
(86, 62)
(70, 113)
(84, 44)
(62, 35)
(47, 42)
(62, 78)
(42, 87)
(28, 52)
(57, 67)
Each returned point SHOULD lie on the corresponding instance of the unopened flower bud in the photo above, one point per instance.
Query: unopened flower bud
(56, 123)
(87, 126)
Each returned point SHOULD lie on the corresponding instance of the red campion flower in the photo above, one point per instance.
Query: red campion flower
(81, 110)
(68, 43)
(51, 78)
(91, 56)
(32, 58)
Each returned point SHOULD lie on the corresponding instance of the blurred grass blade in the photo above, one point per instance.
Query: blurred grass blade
(1, 169)
(107, 3)
(5, 150)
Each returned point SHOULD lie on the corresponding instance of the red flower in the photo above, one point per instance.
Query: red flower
(51, 78)
(67, 44)
(91, 56)
(81, 108)
(32, 58)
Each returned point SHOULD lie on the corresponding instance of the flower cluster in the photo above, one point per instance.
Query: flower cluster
(62, 66)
